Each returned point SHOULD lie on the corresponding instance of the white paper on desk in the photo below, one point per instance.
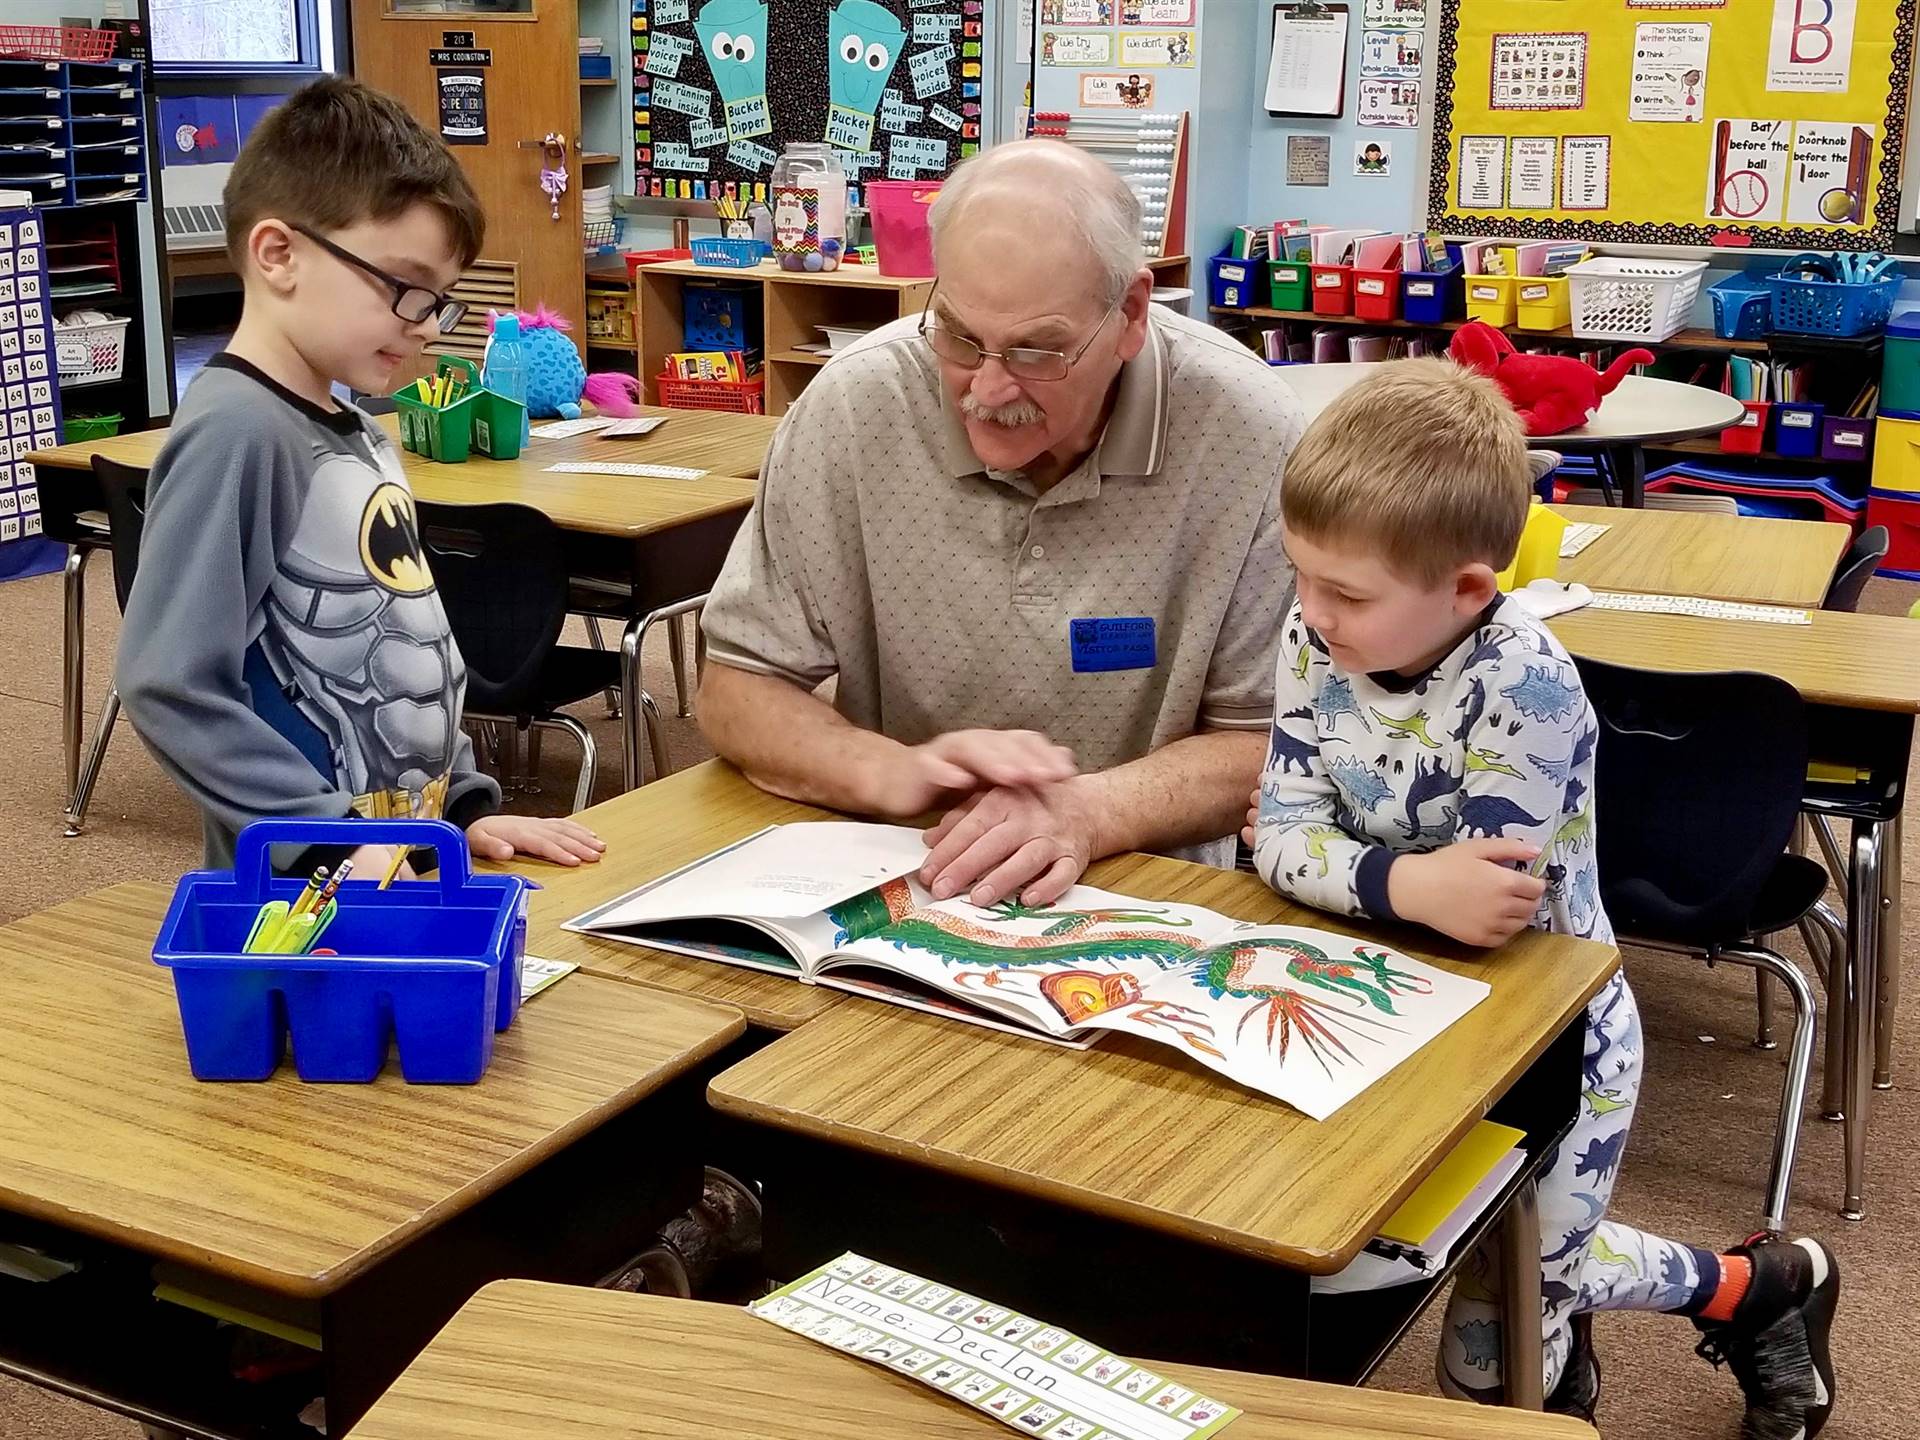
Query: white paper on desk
(564, 429)
(1543, 598)
(639, 425)
(1307, 74)
(784, 872)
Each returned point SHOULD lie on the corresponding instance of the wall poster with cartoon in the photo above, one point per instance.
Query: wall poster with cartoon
(722, 86)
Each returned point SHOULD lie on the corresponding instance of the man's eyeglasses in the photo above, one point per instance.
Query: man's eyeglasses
(1022, 361)
(412, 303)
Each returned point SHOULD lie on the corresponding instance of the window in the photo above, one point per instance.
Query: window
(241, 36)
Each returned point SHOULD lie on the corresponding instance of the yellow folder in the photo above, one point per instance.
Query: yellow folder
(1452, 1180)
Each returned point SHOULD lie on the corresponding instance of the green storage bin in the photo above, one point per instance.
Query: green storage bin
(1900, 366)
(479, 420)
(90, 427)
(1288, 285)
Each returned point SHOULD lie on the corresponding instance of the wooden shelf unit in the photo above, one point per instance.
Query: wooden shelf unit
(793, 304)
(1680, 340)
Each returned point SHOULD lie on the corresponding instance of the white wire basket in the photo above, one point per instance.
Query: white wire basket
(91, 354)
(1619, 298)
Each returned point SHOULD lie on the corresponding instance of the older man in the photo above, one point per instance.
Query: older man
(1038, 525)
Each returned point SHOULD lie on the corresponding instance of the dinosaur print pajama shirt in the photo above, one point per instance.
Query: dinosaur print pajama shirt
(1497, 740)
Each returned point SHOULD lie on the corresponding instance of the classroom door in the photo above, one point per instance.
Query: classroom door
(493, 82)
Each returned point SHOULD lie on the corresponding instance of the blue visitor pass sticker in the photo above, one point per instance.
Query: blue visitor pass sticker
(1119, 642)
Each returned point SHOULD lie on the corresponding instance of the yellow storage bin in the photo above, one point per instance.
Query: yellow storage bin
(1491, 298)
(1542, 302)
(1896, 454)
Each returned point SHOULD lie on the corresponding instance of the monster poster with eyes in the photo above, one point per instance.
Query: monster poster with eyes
(721, 86)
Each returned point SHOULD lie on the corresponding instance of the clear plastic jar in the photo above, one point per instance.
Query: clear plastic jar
(809, 208)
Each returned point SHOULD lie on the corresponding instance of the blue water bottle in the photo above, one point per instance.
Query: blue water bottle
(506, 366)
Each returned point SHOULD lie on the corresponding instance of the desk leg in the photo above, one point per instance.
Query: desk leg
(1863, 983)
(1629, 466)
(1891, 939)
(74, 662)
(633, 722)
(1521, 1336)
(682, 684)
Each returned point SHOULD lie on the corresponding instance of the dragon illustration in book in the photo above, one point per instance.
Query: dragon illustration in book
(1239, 969)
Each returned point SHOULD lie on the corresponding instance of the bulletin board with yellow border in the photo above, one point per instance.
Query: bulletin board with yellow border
(1630, 122)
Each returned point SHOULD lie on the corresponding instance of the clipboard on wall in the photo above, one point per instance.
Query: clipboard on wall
(1307, 66)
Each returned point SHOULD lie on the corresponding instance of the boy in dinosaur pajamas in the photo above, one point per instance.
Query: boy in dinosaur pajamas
(1431, 761)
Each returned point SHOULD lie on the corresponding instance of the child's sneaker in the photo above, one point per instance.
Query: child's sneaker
(1776, 1342)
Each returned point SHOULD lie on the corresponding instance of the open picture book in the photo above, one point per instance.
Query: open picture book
(1304, 1015)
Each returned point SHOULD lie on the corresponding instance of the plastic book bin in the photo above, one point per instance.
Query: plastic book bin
(1796, 429)
(1287, 284)
(432, 964)
(1231, 282)
(1332, 289)
(1376, 294)
(1432, 297)
(1491, 298)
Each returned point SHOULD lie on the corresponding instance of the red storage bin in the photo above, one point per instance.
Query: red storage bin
(1743, 437)
(1376, 294)
(1900, 513)
(1332, 289)
(740, 397)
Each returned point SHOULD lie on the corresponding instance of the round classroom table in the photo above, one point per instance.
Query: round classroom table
(1642, 411)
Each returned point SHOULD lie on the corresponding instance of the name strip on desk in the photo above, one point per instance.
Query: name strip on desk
(1033, 1376)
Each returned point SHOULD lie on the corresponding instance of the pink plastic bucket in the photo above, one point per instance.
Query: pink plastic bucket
(901, 235)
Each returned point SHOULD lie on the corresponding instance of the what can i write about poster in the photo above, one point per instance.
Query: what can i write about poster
(1769, 122)
(722, 86)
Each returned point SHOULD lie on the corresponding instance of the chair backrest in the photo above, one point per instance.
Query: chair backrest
(502, 577)
(1689, 504)
(1697, 783)
(125, 489)
(1856, 567)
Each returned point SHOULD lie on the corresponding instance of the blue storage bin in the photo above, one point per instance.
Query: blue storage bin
(1828, 307)
(720, 314)
(1433, 297)
(723, 253)
(1231, 283)
(1742, 307)
(432, 964)
(1796, 429)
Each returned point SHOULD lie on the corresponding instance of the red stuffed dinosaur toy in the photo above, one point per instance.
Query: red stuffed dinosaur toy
(1553, 393)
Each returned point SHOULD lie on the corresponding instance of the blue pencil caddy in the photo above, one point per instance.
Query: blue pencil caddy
(433, 964)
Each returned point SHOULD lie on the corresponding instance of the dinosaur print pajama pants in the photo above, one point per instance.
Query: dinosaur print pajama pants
(1587, 1261)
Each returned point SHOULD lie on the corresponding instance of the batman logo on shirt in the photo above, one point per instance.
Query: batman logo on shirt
(390, 543)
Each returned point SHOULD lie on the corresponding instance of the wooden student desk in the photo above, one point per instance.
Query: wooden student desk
(1128, 1193)
(650, 832)
(568, 1364)
(1719, 557)
(641, 545)
(365, 1214)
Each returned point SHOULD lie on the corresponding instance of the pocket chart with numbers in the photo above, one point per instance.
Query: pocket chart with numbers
(29, 389)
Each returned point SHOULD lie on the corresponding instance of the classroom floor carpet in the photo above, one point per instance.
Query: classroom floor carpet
(1694, 1170)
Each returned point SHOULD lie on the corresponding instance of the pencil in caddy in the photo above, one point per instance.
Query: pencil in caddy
(433, 964)
(450, 415)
